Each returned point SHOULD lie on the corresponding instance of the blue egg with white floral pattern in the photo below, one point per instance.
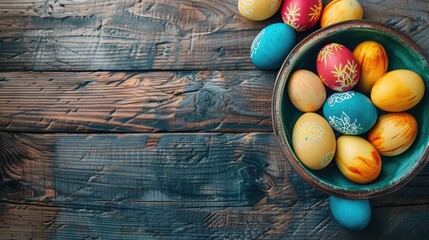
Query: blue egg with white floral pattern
(272, 45)
(350, 112)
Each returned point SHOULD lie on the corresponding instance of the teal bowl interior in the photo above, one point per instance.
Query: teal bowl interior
(403, 54)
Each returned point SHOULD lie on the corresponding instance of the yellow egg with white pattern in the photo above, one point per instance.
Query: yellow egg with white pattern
(258, 10)
(313, 141)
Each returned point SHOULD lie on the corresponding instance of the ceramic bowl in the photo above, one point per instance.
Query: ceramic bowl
(403, 53)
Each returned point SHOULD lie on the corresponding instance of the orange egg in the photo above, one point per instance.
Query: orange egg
(306, 91)
(373, 61)
(357, 159)
(339, 11)
(258, 10)
(398, 90)
(393, 133)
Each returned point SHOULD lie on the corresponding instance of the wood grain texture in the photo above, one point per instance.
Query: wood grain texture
(154, 35)
(304, 220)
(181, 186)
(212, 101)
(124, 35)
(213, 168)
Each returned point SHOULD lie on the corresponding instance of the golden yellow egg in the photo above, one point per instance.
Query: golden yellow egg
(357, 159)
(339, 11)
(313, 141)
(373, 61)
(258, 10)
(393, 133)
(398, 90)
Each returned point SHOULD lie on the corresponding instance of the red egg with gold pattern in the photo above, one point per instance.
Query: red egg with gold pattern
(337, 67)
(301, 15)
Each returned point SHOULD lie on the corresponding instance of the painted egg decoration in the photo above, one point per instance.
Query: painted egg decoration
(357, 159)
(352, 214)
(306, 91)
(398, 90)
(350, 113)
(339, 11)
(337, 67)
(373, 62)
(393, 133)
(301, 15)
(272, 45)
(258, 10)
(313, 141)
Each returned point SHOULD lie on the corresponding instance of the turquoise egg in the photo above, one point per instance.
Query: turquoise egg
(272, 45)
(350, 112)
(351, 214)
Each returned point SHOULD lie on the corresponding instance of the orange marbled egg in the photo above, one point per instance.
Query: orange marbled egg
(393, 133)
(373, 62)
(357, 159)
(339, 11)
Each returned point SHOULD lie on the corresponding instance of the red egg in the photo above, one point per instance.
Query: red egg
(301, 15)
(337, 67)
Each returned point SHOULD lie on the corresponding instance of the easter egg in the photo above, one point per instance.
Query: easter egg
(398, 90)
(313, 141)
(301, 15)
(337, 67)
(271, 46)
(258, 10)
(350, 113)
(357, 159)
(373, 61)
(306, 91)
(339, 11)
(352, 214)
(393, 133)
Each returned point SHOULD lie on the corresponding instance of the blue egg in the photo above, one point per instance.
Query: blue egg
(272, 45)
(350, 113)
(351, 214)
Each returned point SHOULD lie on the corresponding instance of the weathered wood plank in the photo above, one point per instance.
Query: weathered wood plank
(190, 169)
(218, 169)
(213, 101)
(303, 220)
(124, 35)
(153, 35)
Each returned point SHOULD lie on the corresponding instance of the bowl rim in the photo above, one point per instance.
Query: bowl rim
(278, 130)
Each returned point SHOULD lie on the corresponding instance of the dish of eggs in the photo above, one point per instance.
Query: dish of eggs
(350, 110)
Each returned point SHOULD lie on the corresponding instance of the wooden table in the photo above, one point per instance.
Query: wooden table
(145, 119)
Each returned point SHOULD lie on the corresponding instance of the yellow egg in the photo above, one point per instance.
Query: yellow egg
(357, 159)
(393, 133)
(373, 61)
(398, 90)
(313, 141)
(306, 91)
(258, 10)
(339, 11)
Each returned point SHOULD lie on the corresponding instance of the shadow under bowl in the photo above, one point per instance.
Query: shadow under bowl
(403, 53)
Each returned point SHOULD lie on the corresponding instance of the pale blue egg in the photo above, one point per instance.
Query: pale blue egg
(351, 214)
(272, 45)
(350, 112)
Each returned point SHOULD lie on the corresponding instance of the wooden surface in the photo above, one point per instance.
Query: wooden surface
(145, 119)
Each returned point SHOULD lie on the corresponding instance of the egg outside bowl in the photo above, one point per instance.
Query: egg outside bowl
(403, 53)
